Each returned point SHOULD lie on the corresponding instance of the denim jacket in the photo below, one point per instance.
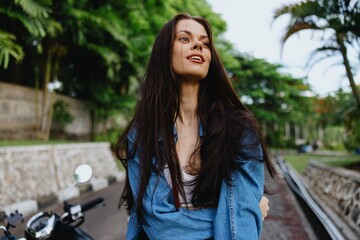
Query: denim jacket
(237, 216)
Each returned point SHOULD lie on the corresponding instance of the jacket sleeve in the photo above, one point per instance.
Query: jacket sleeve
(238, 209)
(134, 223)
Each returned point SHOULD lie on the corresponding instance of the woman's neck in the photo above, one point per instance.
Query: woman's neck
(187, 129)
(188, 103)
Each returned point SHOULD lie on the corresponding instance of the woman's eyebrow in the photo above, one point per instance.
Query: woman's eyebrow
(190, 33)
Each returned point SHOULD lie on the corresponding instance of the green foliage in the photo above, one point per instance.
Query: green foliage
(340, 18)
(99, 49)
(352, 126)
(333, 138)
(110, 135)
(18, 15)
(9, 48)
(6, 143)
(61, 114)
(107, 103)
(299, 161)
(338, 113)
(276, 139)
(270, 95)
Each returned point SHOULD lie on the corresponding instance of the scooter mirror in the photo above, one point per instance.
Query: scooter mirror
(83, 173)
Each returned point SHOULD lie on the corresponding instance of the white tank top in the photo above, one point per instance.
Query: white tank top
(188, 186)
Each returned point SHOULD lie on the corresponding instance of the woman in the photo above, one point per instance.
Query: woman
(194, 154)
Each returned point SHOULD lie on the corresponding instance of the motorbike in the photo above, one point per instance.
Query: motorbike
(51, 226)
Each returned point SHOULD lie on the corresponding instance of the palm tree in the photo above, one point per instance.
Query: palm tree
(340, 17)
(33, 16)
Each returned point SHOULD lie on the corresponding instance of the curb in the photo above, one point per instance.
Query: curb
(30, 205)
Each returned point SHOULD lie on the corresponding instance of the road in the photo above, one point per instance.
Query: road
(103, 223)
(285, 219)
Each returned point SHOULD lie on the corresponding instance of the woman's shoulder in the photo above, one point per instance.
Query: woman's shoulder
(243, 124)
(244, 129)
(132, 133)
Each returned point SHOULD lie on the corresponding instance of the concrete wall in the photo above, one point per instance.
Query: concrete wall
(81, 125)
(20, 111)
(34, 172)
(338, 190)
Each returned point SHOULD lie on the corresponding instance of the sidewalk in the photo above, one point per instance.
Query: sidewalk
(285, 220)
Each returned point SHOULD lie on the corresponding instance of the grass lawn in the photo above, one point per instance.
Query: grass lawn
(299, 161)
(7, 143)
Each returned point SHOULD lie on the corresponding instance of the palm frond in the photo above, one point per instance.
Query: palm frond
(326, 55)
(105, 20)
(296, 28)
(37, 26)
(51, 26)
(304, 16)
(9, 48)
(298, 10)
(111, 58)
(40, 8)
(113, 25)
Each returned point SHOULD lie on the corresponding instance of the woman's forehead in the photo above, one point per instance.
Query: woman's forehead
(190, 25)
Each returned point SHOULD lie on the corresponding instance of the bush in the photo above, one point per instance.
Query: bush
(277, 139)
(61, 114)
(111, 135)
(352, 126)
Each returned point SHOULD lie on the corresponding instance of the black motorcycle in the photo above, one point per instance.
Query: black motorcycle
(51, 226)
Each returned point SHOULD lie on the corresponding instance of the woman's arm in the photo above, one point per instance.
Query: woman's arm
(239, 215)
(133, 169)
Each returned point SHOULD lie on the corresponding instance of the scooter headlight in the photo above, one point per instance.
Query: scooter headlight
(40, 226)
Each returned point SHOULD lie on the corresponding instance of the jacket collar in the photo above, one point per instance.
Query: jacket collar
(175, 135)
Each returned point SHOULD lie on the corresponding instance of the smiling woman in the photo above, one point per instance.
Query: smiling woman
(191, 53)
(193, 153)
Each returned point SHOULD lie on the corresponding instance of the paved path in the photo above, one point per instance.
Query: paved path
(103, 223)
(284, 222)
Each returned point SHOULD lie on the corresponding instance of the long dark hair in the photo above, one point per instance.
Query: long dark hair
(224, 118)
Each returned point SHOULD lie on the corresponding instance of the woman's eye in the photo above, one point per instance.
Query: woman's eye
(206, 44)
(184, 39)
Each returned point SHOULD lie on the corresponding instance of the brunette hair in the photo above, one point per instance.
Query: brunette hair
(224, 118)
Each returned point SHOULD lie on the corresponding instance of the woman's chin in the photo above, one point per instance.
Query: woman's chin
(192, 77)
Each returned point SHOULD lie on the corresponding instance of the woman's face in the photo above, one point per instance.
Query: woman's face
(191, 53)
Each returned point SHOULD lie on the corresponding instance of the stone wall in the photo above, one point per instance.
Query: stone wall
(33, 172)
(81, 125)
(20, 111)
(339, 189)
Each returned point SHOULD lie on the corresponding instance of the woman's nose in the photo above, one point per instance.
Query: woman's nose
(197, 45)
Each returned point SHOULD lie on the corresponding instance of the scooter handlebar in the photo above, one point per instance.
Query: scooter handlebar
(91, 203)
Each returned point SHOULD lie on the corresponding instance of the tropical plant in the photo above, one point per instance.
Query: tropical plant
(61, 115)
(31, 17)
(269, 94)
(97, 50)
(340, 18)
(277, 100)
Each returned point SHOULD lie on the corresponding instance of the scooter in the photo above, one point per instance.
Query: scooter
(51, 226)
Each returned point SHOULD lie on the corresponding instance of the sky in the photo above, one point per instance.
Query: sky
(250, 27)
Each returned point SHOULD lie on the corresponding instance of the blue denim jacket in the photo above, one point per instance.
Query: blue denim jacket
(237, 216)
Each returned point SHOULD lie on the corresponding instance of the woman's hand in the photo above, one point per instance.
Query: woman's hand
(264, 206)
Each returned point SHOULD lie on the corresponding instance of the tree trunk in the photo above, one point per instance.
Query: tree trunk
(93, 125)
(46, 100)
(340, 41)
